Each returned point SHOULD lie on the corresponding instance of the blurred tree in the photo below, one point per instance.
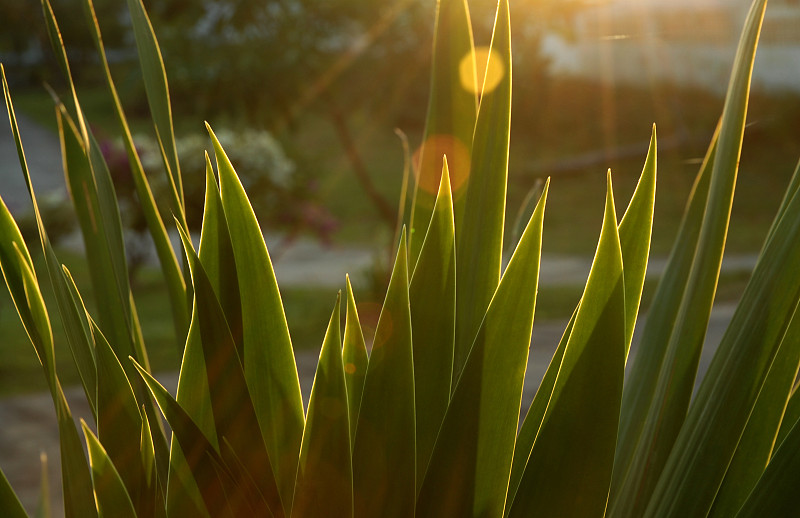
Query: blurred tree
(267, 61)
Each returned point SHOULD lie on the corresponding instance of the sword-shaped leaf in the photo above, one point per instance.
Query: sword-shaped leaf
(776, 493)
(176, 287)
(268, 360)
(450, 122)
(155, 85)
(567, 453)
(234, 415)
(668, 412)
(480, 239)
(384, 466)
(110, 494)
(475, 445)
(18, 271)
(8, 499)
(325, 472)
(199, 453)
(432, 294)
(355, 360)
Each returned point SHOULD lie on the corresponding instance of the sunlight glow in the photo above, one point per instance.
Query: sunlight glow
(490, 68)
(429, 173)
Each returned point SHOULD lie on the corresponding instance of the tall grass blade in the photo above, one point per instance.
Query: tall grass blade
(480, 240)
(325, 472)
(450, 122)
(355, 360)
(155, 85)
(232, 407)
(729, 391)
(8, 499)
(758, 439)
(634, 235)
(176, 287)
(635, 230)
(475, 446)
(199, 453)
(118, 414)
(676, 379)
(432, 294)
(268, 360)
(384, 453)
(642, 379)
(110, 494)
(776, 493)
(24, 287)
(588, 389)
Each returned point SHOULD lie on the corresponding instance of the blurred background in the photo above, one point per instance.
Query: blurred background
(313, 100)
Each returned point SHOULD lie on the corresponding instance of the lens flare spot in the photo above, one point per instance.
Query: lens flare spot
(490, 67)
(350, 368)
(428, 163)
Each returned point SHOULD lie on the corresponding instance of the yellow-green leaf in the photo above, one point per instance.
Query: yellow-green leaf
(384, 454)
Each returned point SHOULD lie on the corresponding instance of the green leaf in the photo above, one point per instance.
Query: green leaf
(268, 359)
(588, 389)
(155, 85)
(776, 492)
(533, 418)
(480, 240)
(102, 236)
(60, 51)
(8, 499)
(634, 235)
(450, 122)
(198, 451)
(384, 454)
(17, 266)
(216, 256)
(432, 294)
(75, 474)
(675, 385)
(635, 230)
(324, 474)
(355, 360)
(110, 494)
(758, 439)
(24, 288)
(735, 377)
(184, 498)
(471, 461)
(642, 380)
(117, 414)
(176, 287)
(234, 416)
(791, 414)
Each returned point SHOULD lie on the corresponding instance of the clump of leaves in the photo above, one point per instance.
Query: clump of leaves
(427, 424)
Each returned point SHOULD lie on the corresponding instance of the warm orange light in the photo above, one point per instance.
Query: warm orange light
(429, 172)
